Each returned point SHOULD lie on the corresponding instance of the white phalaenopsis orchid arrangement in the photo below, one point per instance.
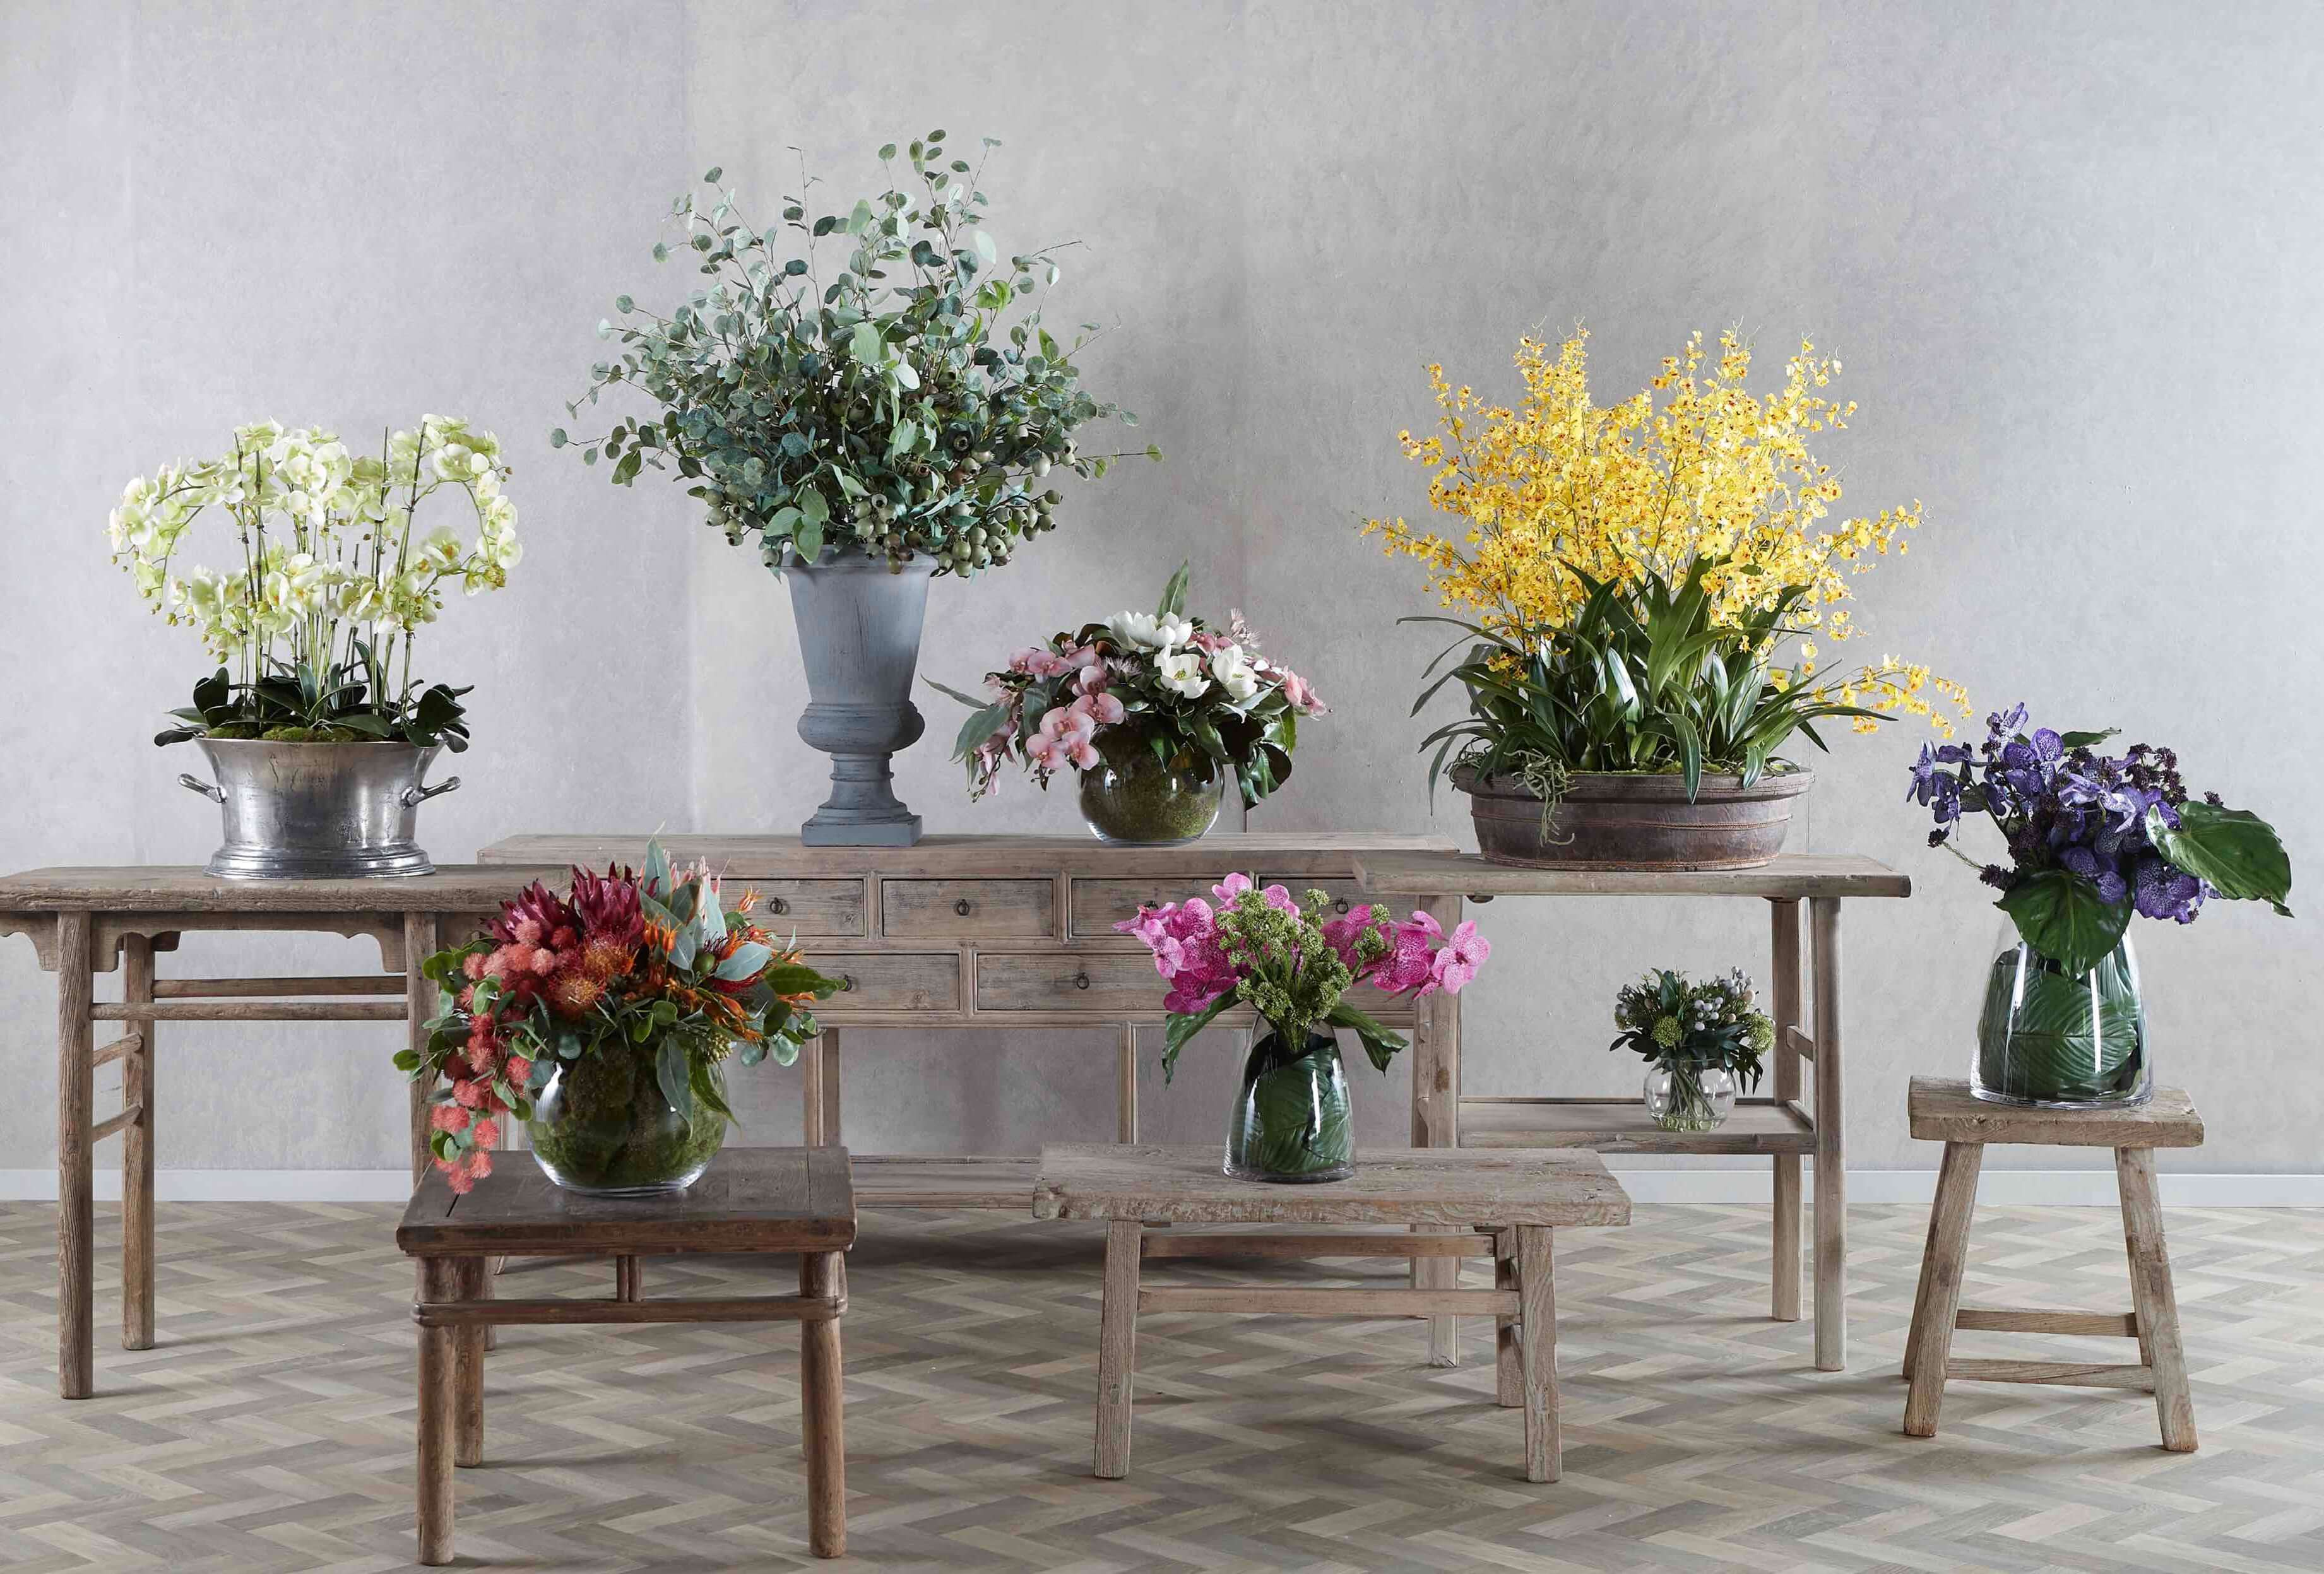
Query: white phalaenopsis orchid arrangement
(333, 579)
(1160, 683)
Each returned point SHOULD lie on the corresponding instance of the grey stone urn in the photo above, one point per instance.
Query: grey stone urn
(858, 634)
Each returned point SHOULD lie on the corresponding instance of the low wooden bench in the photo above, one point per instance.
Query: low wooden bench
(1517, 1200)
(775, 1200)
(1946, 1111)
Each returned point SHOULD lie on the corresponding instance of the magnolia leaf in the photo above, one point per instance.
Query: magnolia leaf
(2233, 849)
(2062, 916)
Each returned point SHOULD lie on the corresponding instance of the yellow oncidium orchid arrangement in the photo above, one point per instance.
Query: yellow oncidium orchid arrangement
(1690, 519)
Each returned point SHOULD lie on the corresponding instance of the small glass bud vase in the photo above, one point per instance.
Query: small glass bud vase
(1687, 1096)
(2059, 1040)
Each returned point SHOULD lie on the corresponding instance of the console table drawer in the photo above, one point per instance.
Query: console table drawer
(1100, 903)
(810, 907)
(968, 909)
(1056, 983)
(888, 980)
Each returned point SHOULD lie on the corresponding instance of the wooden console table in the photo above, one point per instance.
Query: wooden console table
(1008, 931)
(83, 922)
(1780, 1126)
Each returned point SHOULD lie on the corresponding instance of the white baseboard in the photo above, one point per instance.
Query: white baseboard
(1738, 1183)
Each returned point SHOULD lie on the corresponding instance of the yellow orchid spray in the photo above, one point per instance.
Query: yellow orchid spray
(1632, 570)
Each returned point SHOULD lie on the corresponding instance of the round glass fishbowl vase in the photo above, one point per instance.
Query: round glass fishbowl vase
(604, 1126)
(2059, 1040)
(1135, 797)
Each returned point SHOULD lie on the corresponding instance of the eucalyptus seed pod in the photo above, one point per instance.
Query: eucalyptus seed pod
(1053, 497)
(1041, 464)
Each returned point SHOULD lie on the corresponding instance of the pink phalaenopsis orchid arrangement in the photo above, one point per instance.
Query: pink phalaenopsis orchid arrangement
(1165, 683)
(1264, 948)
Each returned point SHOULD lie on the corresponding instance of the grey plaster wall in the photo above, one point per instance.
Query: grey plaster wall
(2070, 254)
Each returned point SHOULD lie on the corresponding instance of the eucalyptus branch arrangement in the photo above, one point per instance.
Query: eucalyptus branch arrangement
(909, 401)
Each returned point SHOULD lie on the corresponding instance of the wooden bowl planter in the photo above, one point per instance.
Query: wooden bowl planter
(1616, 821)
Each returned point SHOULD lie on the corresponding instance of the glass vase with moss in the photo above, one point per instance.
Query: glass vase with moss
(1144, 793)
(602, 1124)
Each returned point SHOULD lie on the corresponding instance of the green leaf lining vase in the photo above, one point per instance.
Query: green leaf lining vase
(2051, 1037)
(604, 1125)
(1292, 1121)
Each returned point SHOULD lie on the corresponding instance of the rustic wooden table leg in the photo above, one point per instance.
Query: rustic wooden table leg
(1831, 1161)
(820, 1390)
(1948, 1254)
(1537, 1323)
(2152, 1294)
(629, 1278)
(468, 1371)
(1125, 1125)
(811, 1099)
(1435, 1123)
(1508, 1334)
(137, 1150)
(1785, 1293)
(76, 1204)
(1117, 1348)
(439, 1281)
(420, 932)
(1925, 1288)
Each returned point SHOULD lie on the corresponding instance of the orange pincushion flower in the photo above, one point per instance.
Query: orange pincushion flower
(605, 959)
(573, 992)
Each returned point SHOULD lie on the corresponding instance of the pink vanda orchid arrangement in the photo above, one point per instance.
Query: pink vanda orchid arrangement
(1165, 682)
(1274, 953)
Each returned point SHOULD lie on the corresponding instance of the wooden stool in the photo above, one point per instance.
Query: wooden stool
(781, 1201)
(1519, 1198)
(1946, 1111)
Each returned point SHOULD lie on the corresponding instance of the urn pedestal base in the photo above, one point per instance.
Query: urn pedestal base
(859, 629)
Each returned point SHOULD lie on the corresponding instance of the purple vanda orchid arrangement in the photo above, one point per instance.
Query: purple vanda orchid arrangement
(1267, 949)
(2095, 839)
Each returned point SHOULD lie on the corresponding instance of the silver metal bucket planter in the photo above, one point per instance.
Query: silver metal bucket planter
(858, 634)
(318, 811)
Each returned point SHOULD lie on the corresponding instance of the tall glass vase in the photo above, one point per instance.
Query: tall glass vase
(2062, 1040)
(1291, 1121)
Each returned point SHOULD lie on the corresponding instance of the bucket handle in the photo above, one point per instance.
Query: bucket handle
(194, 784)
(413, 797)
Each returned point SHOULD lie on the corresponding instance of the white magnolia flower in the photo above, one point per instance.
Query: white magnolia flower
(1145, 631)
(1182, 672)
(1233, 671)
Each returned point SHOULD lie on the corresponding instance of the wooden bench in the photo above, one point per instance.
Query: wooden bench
(1517, 1199)
(1946, 1111)
(780, 1200)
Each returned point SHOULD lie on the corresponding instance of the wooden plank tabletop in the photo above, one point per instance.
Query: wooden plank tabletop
(454, 888)
(751, 1200)
(1398, 872)
(1278, 852)
(1943, 1109)
(1404, 1185)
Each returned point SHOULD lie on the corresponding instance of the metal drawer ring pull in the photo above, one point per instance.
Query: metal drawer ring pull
(777, 905)
(1080, 981)
(962, 906)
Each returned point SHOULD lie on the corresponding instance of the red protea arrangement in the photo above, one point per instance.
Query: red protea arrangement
(626, 960)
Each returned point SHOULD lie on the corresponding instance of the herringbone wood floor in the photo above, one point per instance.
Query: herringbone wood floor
(271, 1427)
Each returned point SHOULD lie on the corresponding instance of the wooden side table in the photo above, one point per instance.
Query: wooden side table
(1518, 1199)
(1946, 1111)
(87, 920)
(1783, 1127)
(778, 1201)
